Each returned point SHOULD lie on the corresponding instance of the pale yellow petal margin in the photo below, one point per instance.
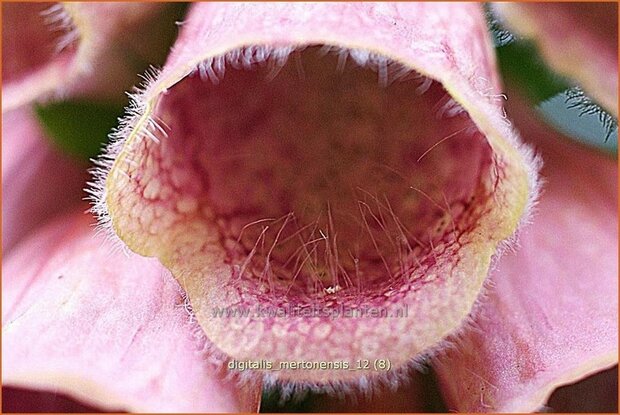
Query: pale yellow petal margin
(420, 36)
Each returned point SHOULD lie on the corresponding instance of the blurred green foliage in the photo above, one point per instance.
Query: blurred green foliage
(79, 128)
(520, 64)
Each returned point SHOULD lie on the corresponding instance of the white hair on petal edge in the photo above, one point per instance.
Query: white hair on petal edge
(213, 69)
(275, 57)
(128, 125)
(363, 386)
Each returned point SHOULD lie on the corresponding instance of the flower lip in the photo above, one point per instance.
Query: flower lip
(310, 181)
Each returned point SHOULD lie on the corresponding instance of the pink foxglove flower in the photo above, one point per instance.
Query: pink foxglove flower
(306, 189)
(298, 156)
(38, 181)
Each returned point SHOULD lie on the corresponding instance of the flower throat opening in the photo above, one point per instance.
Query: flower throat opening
(307, 177)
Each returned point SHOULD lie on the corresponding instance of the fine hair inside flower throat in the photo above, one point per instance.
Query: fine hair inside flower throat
(327, 172)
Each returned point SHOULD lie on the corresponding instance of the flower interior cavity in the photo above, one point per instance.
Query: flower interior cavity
(319, 177)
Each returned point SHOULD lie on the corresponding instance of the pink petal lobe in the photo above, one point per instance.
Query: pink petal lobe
(38, 181)
(551, 316)
(578, 40)
(83, 318)
(341, 155)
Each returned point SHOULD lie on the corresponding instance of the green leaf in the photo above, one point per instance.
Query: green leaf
(79, 128)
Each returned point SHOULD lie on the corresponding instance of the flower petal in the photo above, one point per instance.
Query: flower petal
(54, 48)
(579, 40)
(303, 190)
(551, 316)
(38, 181)
(83, 318)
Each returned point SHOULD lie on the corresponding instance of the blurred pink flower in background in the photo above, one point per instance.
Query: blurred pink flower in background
(38, 181)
